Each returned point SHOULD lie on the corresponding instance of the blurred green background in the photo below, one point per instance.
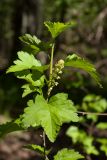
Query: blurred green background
(88, 39)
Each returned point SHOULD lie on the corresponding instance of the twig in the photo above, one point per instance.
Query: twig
(94, 113)
(88, 157)
(50, 76)
(44, 144)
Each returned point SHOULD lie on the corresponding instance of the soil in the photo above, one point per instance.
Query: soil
(12, 146)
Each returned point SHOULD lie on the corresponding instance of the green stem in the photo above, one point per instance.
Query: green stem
(51, 62)
(50, 77)
(51, 71)
(44, 144)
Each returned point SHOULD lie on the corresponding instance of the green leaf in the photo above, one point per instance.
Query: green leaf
(35, 81)
(73, 132)
(103, 146)
(102, 125)
(78, 62)
(35, 78)
(56, 28)
(28, 89)
(89, 146)
(93, 117)
(26, 61)
(34, 44)
(79, 136)
(10, 127)
(94, 103)
(37, 148)
(50, 115)
(67, 154)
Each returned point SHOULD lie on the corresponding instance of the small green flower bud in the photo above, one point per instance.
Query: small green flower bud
(60, 72)
(58, 77)
(61, 63)
(56, 83)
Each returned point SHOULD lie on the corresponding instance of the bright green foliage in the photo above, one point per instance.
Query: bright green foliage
(79, 136)
(36, 87)
(56, 28)
(33, 78)
(22, 67)
(103, 147)
(37, 148)
(10, 127)
(85, 137)
(102, 125)
(67, 154)
(78, 62)
(28, 89)
(50, 112)
(50, 115)
(94, 103)
(34, 44)
(73, 133)
(26, 61)
(35, 81)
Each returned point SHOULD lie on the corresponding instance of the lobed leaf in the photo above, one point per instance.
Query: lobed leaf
(67, 154)
(102, 125)
(78, 62)
(34, 79)
(94, 103)
(103, 142)
(34, 44)
(26, 61)
(10, 127)
(50, 115)
(28, 88)
(73, 132)
(57, 27)
(79, 136)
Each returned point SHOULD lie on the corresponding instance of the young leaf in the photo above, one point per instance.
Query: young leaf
(35, 44)
(91, 103)
(103, 146)
(10, 127)
(56, 28)
(67, 154)
(36, 86)
(102, 125)
(25, 61)
(50, 115)
(35, 81)
(78, 62)
(73, 132)
(28, 89)
(79, 136)
(34, 78)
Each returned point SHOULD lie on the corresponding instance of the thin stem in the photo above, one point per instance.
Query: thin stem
(51, 61)
(51, 71)
(50, 76)
(44, 144)
(94, 113)
(88, 157)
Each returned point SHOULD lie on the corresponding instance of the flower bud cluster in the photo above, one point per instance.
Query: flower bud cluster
(57, 71)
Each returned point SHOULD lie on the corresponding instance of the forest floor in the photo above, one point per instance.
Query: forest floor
(12, 147)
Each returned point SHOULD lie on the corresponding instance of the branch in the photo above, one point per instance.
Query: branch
(93, 113)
